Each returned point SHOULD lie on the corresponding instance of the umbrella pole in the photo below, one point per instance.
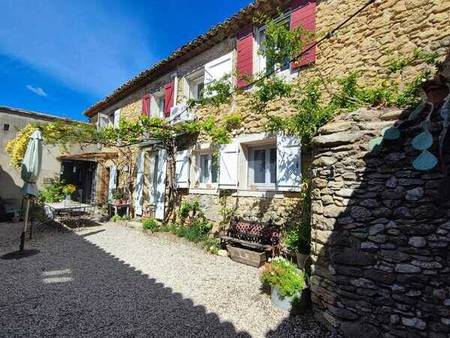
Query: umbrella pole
(22, 237)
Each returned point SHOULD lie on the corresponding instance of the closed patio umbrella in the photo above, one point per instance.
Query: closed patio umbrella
(30, 169)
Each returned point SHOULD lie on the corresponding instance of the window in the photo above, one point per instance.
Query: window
(263, 165)
(267, 65)
(159, 105)
(195, 84)
(208, 168)
(6, 127)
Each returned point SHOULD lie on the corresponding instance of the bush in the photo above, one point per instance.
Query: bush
(150, 224)
(53, 192)
(285, 276)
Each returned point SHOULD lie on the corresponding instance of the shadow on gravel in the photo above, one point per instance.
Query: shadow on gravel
(75, 289)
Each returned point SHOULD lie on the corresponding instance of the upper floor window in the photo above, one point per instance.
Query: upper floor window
(266, 64)
(263, 165)
(157, 104)
(195, 85)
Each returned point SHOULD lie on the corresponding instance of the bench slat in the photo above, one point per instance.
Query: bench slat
(247, 243)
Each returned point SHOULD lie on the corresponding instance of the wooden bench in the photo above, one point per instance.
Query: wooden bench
(250, 242)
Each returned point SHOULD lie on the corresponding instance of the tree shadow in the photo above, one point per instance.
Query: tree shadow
(73, 287)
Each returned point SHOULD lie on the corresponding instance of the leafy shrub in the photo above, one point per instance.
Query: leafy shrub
(285, 276)
(212, 245)
(53, 192)
(189, 210)
(150, 224)
(17, 147)
(116, 218)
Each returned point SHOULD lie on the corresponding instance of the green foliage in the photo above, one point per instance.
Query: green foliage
(216, 93)
(212, 245)
(150, 224)
(282, 43)
(312, 113)
(53, 192)
(399, 64)
(271, 88)
(409, 96)
(285, 276)
(189, 209)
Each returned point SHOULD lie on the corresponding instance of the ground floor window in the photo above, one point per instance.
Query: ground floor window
(208, 168)
(263, 165)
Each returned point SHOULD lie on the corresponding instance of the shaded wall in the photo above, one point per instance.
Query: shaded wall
(380, 231)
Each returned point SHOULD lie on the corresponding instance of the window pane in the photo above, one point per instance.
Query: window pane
(200, 87)
(273, 165)
(214, 169)
(204, 168)
(259, 166)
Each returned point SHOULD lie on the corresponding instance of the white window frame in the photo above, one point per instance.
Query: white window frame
(260, 60)
(208, 184)
(157, 104)
(251, 169)
(192, 81)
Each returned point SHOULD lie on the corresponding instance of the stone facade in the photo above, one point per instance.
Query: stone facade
(385, 30)
(380, 231)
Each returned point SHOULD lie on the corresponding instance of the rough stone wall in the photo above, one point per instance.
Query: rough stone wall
(282, 209)
(380, 232)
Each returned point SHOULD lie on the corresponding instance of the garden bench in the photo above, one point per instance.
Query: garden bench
(249, 242)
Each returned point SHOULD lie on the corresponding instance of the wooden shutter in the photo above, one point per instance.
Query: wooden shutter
(168, 98)
(288, 162)
(182, 169)
(139, 184)
(228, 172)
(160, 183)
(218, 69)
(116, 118)
(146, 110)
(304, 14)
(244, 62)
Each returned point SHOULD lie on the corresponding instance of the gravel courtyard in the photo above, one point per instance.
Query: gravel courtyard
(112, 280)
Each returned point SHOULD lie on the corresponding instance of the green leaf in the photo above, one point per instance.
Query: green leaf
(425, 161)
(422, 141)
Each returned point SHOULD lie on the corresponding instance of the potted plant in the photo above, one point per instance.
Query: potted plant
(287, 283)
(68, 190)
(296, 240)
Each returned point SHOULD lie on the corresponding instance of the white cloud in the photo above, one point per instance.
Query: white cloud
(89, 46)
(37, 90)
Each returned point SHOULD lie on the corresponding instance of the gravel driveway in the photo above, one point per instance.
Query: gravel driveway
(114, 281)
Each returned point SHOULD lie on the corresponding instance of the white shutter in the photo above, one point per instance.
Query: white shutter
(112, 181)
(103, 120)
(228, 174)
(182, 169)
(218, 68)
(288, 162)
(160, 184)
(139, 186)
(116, 118)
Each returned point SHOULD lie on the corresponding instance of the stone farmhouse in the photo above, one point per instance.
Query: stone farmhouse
(376, 268)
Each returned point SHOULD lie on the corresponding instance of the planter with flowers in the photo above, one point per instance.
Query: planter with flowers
(288, 285)
(68, 190)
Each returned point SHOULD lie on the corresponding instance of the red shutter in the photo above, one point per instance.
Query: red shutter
(304, 14)
(244, 62)
(168, 97)
(146, 105)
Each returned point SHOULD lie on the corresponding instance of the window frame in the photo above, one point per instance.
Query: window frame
(208, 184)
(260, 61)
(157, 104)
(268, 171)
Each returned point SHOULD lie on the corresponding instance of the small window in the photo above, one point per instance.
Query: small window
(265, 64)
(208, 168)
(160, 105)
(263, 165)
(196, 87)
(6, 127)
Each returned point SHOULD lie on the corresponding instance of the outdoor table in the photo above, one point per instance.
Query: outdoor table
(66, 207)
(117, 206)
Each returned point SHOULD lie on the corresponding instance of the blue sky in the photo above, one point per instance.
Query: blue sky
(61, 56)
